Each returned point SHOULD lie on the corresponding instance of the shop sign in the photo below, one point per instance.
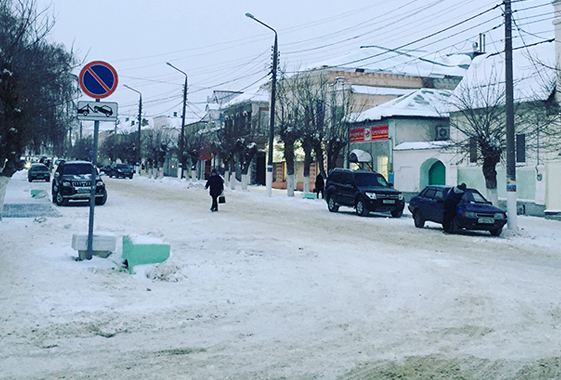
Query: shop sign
(369, 134)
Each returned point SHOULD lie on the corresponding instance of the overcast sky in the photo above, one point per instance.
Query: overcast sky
(219, 48)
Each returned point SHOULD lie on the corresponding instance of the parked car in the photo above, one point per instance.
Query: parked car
(73, 181)
(474, 212)
(121, 171)
(366, 191)
(38, 172)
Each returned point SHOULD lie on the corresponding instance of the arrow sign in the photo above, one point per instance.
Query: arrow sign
(98, 79)
(100, 111)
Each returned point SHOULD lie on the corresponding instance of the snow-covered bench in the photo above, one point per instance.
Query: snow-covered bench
(142, 249)
(102, 244)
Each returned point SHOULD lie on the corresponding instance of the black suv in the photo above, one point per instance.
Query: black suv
(366, 191)
(72, 181)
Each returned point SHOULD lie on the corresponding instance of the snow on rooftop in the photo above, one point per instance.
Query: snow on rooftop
(420, 145)
(380, 91)
(423, 102)
(253, 95)
(533, 73)
(377, 59)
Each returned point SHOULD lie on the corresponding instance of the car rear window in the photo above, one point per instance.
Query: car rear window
(77, 169)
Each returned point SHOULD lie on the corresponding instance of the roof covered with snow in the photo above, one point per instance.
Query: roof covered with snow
(424, 102)
(533, 73)
(420, 145)
(380, 91)
(258, 94)
(377, 59)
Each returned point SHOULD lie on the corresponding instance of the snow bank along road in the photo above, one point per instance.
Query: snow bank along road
(274, 288)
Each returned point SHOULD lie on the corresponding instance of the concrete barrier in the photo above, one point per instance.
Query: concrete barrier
(139, 250)
(102, 245)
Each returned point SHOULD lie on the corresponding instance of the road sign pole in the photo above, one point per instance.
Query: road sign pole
(89, 253)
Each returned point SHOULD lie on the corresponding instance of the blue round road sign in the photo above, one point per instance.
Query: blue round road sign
(98, 79)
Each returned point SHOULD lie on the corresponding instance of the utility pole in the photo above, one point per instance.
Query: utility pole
(138, 158)
(181, 143)
(511, 198)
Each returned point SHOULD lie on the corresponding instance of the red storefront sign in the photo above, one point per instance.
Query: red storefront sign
(368, 134)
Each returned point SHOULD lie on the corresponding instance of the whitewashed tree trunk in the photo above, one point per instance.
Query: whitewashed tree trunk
(226, 179)
(493, 197)
(233, 180)
(290, 185)
(3, 185)
(193, 175)
(307, 184)
(245, 181)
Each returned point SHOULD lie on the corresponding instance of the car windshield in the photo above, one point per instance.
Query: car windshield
(122, 166)
(370, 179)
(78, 169)
(473, 196)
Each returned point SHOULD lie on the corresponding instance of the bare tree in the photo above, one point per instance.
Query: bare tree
(35, 82)
(478, 115)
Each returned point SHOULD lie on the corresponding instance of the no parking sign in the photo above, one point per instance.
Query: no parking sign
(98, 79)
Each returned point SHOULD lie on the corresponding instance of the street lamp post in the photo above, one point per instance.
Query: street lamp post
(269, 176)
(139, 126)
(181, 144)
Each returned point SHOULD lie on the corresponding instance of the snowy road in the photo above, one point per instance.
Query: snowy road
(273, 288)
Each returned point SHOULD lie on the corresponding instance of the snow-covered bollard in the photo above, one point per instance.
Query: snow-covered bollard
(102, 244)
(142, 249)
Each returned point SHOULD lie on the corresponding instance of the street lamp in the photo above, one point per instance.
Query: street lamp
(139, 125)
(269, 176)
(181, 137)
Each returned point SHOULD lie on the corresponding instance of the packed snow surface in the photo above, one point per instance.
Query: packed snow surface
(272, 288)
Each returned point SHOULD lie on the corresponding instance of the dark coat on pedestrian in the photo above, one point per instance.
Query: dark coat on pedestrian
(215, 183)
(452, 199)
(319, 182)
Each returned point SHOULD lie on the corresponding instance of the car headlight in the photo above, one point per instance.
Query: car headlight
(470, 214)
(371, 195)
(400, 197)
(66, 183)
(500, 215)
(99, 183)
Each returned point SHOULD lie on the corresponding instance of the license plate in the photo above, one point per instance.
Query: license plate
(83, 189)
(388, 201)
(486, 221)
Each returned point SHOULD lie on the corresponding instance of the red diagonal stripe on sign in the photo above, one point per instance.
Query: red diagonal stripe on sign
(98, 79)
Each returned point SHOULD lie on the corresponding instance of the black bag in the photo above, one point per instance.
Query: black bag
(222, 199)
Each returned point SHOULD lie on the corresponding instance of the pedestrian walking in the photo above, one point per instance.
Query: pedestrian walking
(319, 185)
(450, 202)
(216, 185)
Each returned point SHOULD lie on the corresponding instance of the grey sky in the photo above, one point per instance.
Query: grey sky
(219, 48)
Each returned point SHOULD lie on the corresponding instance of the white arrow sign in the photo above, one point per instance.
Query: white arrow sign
(100, 111)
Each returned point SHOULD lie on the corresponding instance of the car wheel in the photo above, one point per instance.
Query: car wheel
(397, 213)
(29, 180)
(131, 176)
(496, 231)
(360, 207)
(418, 219)
(101, 201)
(331, 204)
(59, 199)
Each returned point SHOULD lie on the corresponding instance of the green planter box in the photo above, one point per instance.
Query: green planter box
(139, 250)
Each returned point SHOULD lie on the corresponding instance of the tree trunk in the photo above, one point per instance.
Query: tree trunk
(3, 185)
(245, 181)
(307, 164)
(490, 174)
(233, 180)
(289, 156)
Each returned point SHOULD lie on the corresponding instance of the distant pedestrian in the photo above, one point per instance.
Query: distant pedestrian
(319, 185)
(450, 202)
(216, 185)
